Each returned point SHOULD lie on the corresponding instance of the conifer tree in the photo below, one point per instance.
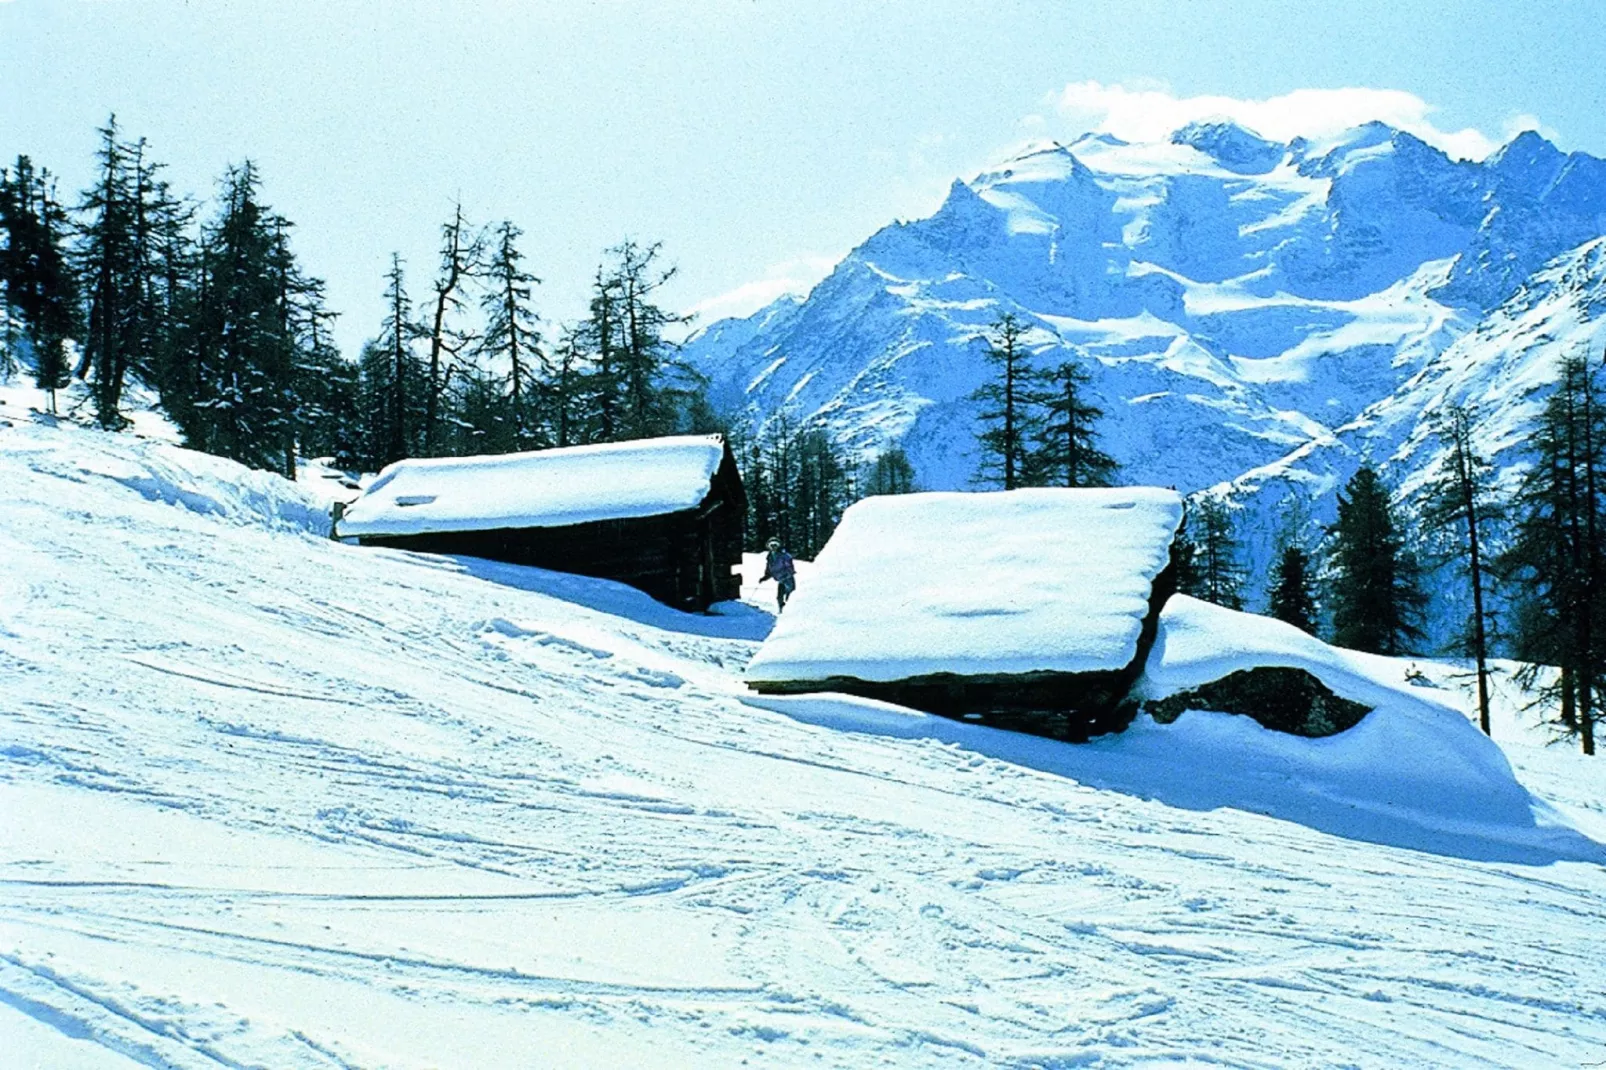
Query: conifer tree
(512, 338)
(461, 251)
(1375, 590)
(1460, 504)
(1291, 596)
(400, 381)
(655, 387)
(602, 381)
(890, 473)
(567, 369)
(1556, 560)
(131, 221)
(39, 285)
(1068, 453)
(108, 267)
(1218, 571)
(246, 346)
(1008, 420)
(1293, 591)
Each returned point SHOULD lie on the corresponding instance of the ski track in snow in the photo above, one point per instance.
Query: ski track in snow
(268, 800)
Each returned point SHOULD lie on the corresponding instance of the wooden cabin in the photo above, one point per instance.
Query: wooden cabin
(1027, 609)
(664, 515)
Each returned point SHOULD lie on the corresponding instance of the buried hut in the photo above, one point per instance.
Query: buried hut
(664, 515)
(1029, 609)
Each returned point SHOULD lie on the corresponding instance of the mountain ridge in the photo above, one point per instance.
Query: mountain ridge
(1249, 324)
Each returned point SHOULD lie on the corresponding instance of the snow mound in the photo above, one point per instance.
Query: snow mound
(160, 472)
(1415, 759)
(1039, 580)
(540, 489)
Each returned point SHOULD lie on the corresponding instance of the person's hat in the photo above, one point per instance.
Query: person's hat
(775, 544)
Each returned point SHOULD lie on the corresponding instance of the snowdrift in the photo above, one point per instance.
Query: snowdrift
(1415, 772)
(161, 472)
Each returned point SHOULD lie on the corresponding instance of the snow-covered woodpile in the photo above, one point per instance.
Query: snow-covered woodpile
(664, 515)
(1028, 608)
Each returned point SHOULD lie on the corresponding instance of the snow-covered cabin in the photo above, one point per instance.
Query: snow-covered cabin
(664, 515)
(1030, 608)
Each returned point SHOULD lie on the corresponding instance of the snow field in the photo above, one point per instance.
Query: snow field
(266, 799)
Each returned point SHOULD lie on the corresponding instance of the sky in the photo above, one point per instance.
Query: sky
(758, 140)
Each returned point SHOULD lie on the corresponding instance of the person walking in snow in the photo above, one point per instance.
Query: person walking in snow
(778, 567)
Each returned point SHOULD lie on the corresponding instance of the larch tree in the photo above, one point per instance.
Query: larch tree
(39, 284)
(1218, 568)
(1555, 559)
(1009, 423)
(654, 385)
(512, 339)
(107, 263)
(1460, 505)
(1375, 589)
(1068, 453)
(461, 251)
(889, 473)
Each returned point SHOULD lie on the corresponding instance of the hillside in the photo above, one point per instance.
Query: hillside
(1253, 313)
(271, 800)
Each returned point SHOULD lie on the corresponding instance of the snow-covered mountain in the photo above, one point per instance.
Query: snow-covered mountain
(1258, 313)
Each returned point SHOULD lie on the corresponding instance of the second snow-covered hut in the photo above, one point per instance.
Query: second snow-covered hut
(664, 515)
(1026, 608)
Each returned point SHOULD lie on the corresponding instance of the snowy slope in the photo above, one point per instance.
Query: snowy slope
(1250, 311)
(266, 799)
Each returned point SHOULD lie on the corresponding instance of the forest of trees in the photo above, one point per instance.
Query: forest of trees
(207, 306)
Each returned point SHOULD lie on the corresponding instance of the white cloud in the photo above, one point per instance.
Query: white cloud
(795, 276)
(1147, 113)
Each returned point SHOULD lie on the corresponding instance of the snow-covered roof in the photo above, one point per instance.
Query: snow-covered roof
(539, 489)
(977, 584)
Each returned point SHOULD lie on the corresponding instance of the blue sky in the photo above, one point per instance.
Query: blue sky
(758, 139)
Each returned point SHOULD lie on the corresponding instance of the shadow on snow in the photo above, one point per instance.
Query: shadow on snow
(1209, 761)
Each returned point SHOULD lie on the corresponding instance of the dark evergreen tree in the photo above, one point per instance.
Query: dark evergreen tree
(1185, 560)
(1218, 572)
(1460, 505)
(1375, 589)
(1008, 420)
(245, 346)
(512, 341)
(461, 251)
(655, 385)
(820, 492)
(128, 247)
(1068, 454)
(568, 364)
(601, 384)
(1556, 561)
(1293, 589)
(108, 266)
(40, 289)
(394, 383)
(889, 473)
